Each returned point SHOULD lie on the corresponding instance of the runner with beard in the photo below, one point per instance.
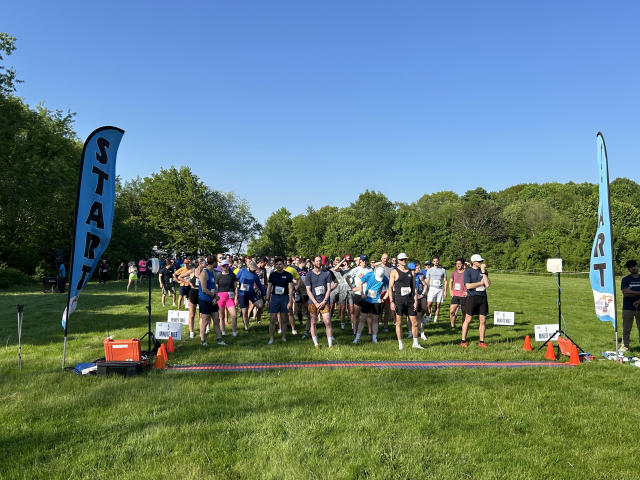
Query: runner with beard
(301, 297)
(458, 292)
(372, 303)
(386, 305)
(477, 281)
(318, 285)
(437, 281)
(279, 296)
(345, 295)
(404, 299)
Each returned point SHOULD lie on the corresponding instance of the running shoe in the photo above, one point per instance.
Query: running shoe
(342, 326)
(435, 320)
(330, 347)
(623, 348)
(423, 336)
(482, 344)
(270, 342)
(318, 347)
(221, 342)
(400, 347)
(284, 339)
(464, 344)
(418, 346)
(246, 330)
(385, 330)
(304, 335)
(279, 330)
(294, 332)
(375, 340)
(204, 344)
(356, 340)
(191, 335)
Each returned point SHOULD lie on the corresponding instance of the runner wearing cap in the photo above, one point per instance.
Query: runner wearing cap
(297, 286)
(477, 281)
(458, 292)
(404, 299)
(423, 300)
(279, 296)
(227, 286)
(356, 275)
(437, 280)
(371, 288)
(318, 285)
(246, 293)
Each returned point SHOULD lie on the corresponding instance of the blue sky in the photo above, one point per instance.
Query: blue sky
(403, 97)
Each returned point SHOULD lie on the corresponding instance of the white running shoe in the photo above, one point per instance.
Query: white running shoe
(279, 330)
(191, 335)
(270, 342)
(235, 334)
(221, 343)
(224, 334)
(356, 340)
(375, 340)
(423, 336)
(418, 346)
(293, 332)
(435, 320)
(400, 347)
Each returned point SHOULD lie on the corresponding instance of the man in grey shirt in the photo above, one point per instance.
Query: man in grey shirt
(436, 278)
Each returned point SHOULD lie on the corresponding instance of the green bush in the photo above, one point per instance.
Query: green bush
(11, 276)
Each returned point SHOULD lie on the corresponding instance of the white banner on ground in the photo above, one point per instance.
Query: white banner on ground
(544, 332)
(164, 329)
(178, 316)
(504, 318)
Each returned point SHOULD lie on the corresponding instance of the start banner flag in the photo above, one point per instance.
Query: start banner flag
(94, 209)
(602, 274)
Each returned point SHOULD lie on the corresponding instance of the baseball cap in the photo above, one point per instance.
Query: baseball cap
(324, 259)
(379, 273)
(348, 257)
(224, 263)
(427, 262)
(476, 258)
(187, 260)
(411, 266)
(364, 257)
(402, 255)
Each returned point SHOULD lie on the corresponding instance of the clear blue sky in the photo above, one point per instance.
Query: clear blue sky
(406, 97)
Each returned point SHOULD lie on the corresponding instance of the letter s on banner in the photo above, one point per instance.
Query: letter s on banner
(94, 208)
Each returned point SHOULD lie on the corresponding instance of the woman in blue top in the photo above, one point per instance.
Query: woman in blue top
(371, 302)
(207, 292)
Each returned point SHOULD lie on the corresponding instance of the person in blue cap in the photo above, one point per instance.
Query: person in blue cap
(371, 288)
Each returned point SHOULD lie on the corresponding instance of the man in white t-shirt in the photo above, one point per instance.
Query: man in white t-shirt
(356, 275)
(436, 278)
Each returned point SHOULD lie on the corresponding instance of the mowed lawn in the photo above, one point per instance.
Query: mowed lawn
(318, 423)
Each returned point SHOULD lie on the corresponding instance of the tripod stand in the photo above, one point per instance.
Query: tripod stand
(559, 330)
(149, 333)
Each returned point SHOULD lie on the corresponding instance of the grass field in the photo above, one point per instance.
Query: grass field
(345, 423)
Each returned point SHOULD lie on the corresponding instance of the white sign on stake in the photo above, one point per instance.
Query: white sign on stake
(164, 329)
(178, 316)
(504, 318)
(544, 332)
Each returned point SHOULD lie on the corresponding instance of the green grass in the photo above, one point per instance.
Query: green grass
(349, 423)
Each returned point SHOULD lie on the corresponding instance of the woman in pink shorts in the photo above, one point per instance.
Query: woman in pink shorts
(227, 282)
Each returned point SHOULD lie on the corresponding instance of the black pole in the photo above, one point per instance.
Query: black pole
(559, 308)
(20, 308)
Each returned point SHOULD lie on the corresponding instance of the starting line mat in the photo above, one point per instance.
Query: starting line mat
(409, 365)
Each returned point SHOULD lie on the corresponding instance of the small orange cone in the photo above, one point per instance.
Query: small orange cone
(163, 352)
(551, 355)
(527, 344)
(170, 344)
(159, 363)
(575, 358)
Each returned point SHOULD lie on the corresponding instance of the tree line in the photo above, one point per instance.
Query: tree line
(39, 166)
(517, 228)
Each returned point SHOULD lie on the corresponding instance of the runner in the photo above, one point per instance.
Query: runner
(166, 276)
(102, 272)
(142, 267)
(630, 286)
(458, 292)
(286, 319)
(191, 276)
(185, 286)
(246, 293)
(345, 294)
(207, 291)
(421, 288)
(477, 281)
(371, 304)
(279, 296)
(384, 263)
(318, 284)
(300, 296)
(262, 275)
(356, 275)
(227, 285)
(121, 271)
(133, 275)
(404, 299)
(437, 281)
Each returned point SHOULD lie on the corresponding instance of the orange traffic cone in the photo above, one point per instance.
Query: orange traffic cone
(163, 352)
(170, 344)
(159, 363)
(551, 355)
(574, 359)
(527, 344)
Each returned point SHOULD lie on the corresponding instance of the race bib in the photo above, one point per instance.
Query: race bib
(279, 290)
(405, 291)
(373, 294)
(244, 287)
(319, 290)
(457, 287)
(232, 294)
(436, 283)
(197, 282)
(480, 289)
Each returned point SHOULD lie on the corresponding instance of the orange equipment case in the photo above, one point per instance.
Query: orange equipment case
(122, 350)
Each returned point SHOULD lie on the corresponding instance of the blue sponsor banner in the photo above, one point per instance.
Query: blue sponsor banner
(602, 274)
(94, 209)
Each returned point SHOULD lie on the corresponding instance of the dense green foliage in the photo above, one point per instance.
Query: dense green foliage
(516, 228)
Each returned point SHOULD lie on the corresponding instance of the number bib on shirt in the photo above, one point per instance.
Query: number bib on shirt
(232, 294)
(244, 287)
(436, 283)
(405, 291)
(373, 294)
(279, 290)
(320, 290)
(457, 287)
(480, 289)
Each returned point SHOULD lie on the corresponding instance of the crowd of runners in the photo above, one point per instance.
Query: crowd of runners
(362, 292)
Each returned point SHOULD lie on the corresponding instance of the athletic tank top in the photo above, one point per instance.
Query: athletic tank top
(211, 286)
(225, 282)
(402, 286)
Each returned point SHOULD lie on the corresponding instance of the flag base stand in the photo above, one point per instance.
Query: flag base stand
(150, 336)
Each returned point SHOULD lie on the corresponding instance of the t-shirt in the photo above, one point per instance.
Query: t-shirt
(319, 284)
(471, 275)
(459, 288)
(280, 282)
(226, 283)
(179, 272)
(142, 265)
(374, 287)
(437, 277)
(62, 271)
(246, 281)
(294, 273)
(419, 276)
(356, 274)
(103, 267)
(632, 284)
(167, 276)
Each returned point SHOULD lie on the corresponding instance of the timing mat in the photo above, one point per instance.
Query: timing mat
(408, 365)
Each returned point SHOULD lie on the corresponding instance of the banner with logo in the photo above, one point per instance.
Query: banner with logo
(94, 210)
(602, 272)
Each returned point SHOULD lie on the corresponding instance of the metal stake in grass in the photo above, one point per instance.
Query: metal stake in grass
(20, 309)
